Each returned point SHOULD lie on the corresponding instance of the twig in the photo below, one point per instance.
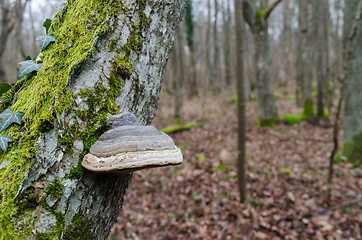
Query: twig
(270, 9)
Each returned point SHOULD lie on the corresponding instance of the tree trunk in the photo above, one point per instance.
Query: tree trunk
(189, 25)
(246, 55)
(285, 44)
(208, 45)
(239, 30)
(266, 102)
(353, 82)
(303, 59)
(8, 18)
(109, 57)
(180, 77)
(321, 59)
(227, 32)
(259, 26)
(215, 83)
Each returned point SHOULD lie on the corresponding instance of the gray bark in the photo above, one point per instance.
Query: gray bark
(180, 77)
(352, 31)
(304, 77)
(226, 23)
(215, 83)
(321, 57)
(259, 27)
(240, 31)
(93, 199)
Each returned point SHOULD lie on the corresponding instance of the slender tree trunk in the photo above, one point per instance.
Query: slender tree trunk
(321, 60)
(215, 83)
(304, 59)
(107, 58)
(353, 84)
(8, 18)
(208, 45)
(189, 25)
(180, 77)
(246, 55)
(20, 8)
(239, 30)
(227, 32)
(284, 44)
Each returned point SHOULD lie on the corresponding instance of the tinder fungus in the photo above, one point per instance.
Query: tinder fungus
(129, 146)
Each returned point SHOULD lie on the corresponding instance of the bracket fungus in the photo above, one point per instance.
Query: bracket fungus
(128, 146)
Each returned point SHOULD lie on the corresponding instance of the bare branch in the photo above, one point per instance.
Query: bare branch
(270, 9)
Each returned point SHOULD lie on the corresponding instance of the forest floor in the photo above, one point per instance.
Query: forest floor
(287, 168)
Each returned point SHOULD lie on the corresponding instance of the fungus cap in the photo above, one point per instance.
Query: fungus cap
(129, 146)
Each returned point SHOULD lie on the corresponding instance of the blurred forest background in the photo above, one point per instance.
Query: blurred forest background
(302, 85)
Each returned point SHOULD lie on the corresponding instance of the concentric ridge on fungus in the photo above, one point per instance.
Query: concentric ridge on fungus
(129, 146)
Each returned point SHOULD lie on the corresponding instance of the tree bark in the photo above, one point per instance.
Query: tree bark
(227, 32)
(239, 30)
(189, 25)
(180, 77)
(304, 79)
(321, 58)
(215, 83)
(259, 26)
(109, 57)
(353, 81)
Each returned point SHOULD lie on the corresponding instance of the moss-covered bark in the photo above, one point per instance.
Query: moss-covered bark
(109, 56)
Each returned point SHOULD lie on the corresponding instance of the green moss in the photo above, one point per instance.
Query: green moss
(291, 97)
(353, 150)
(55, 189)
(276, 96)
(79, 229)
(44, 236)
(179, 127)
(268, 122)
(45, 97)
(122, 66)
(28, 199)
(77, 28)
(46, 122)
(326, 113)
(292, 119)
(259, 15)
(308, 109)
(252, 97)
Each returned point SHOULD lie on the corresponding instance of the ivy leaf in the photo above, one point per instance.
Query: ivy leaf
(27, 67)
(8, 117)
(27, 58)
(47, 24)
(45, 40)
(4, 87)
(4, 141)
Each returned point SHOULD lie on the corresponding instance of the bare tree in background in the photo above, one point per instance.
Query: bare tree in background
(10, 13)
(257, 19)
(304, 59)
(322, 60)
(227, 32)
(240, 31)
(189, 27)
